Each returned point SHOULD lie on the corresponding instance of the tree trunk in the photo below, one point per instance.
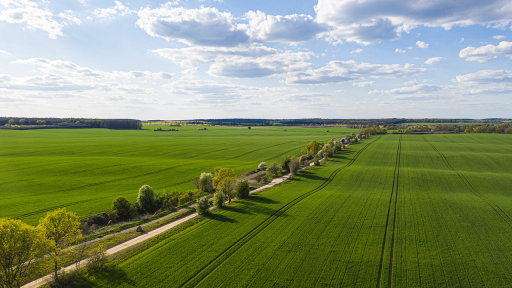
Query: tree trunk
(56, 271)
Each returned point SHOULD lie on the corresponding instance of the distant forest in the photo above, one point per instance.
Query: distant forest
(50, 123)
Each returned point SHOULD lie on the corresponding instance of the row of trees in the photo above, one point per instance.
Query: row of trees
(69, 123)
(501, 128)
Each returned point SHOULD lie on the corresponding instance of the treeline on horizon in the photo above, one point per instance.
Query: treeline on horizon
(42, 123)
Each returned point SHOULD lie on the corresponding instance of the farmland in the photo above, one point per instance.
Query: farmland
(394, 210)
(85, 169)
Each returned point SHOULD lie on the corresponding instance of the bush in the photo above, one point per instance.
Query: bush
(273, 170)
(242, 190)
(218, 199)
(121, 206)
(294, 166)
(146, 198)
(320, 153)
(205, 182)
(284, 164)
(202, 205)
(262, 166)
(317, 162)
(97, 259)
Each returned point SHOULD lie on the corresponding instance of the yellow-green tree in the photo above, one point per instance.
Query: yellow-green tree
(225, 180)
(61, 228)
(314, 147)
(20, 246)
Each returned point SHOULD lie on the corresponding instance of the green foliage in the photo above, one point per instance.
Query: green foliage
(122, 207)
(314, 147)
(225, 180)
(294, 166)
(273, 170)
(262, 166)
(146, 198)
(284, 164)
(316, 161)
(242, 190)
(218, 199)
(202, 205)
(20, 246)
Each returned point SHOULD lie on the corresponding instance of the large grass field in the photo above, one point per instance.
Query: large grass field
(85, 169)
(394, 210)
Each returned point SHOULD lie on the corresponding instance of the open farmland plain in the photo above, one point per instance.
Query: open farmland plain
(85, 169)
(391, 211)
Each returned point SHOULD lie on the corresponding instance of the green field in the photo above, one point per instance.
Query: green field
(85, 169)
(394, 210)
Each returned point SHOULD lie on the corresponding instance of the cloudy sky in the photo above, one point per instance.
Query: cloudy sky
(256, 59)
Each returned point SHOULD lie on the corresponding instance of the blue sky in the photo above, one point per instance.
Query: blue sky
(255, 59)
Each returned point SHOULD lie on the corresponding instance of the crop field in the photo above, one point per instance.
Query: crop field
(390, 211)
(85, 169)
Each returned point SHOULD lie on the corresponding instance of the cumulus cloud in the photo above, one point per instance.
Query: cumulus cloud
(2, 52)
(434, 60)
(399, 50)
(486, 53)
(238, 62)
(201, 27)
(118, 10)
(70, 17)
(345, 71)
(283, 29)
(391, 18)
(421, 88)
(363, 84)
(358, 50)
(418, 97)
(28, 12)
(486, 77)
(498, 37)
(421, 44)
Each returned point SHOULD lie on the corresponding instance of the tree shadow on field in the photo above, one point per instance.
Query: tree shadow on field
(262, 200)
(112, 275)
(220, 217)
(309, 175)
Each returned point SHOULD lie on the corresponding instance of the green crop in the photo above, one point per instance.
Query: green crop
(84, 170)
(394, 210)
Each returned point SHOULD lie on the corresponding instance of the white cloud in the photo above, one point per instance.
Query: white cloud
(24, 11)
(238, 62)
(498, 37)
(283, 29)
(461, 40)
(70, 16)
(486, 77)
(419, 97)
(399, 50)
(2, 52)
(118, 10)
(351, 19)
(339, 91)
(421, 88)
(358, 50)
(201, 27)
(345, 71)
(421, 44)
(363, 84)
(413, 82)
(434, 60)
(486, 53)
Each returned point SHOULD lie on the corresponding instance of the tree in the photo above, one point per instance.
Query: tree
(314, 147)
(225, 180)
(242, 190)
(11, 122)
(317, 162)
(61, 228)
(284, 164)
(22, 121)
(146, 197)
(202, 205)
(218, 199)
(20, 246)
(205, 182)
(121, 206)
(262, 166)
(294, 166)
(273, 170)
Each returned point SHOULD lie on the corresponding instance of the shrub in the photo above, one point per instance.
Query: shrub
(262, 166)
(294, 166)
(321, 153)
(121, 206)
(205, 182)
(273, 170)
(202, 205)
(284, 164)
(242, 190)
(218, 199)
(317, 162)
(97, 259)
(146, 198)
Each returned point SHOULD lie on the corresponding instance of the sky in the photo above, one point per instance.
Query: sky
(214, 59)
